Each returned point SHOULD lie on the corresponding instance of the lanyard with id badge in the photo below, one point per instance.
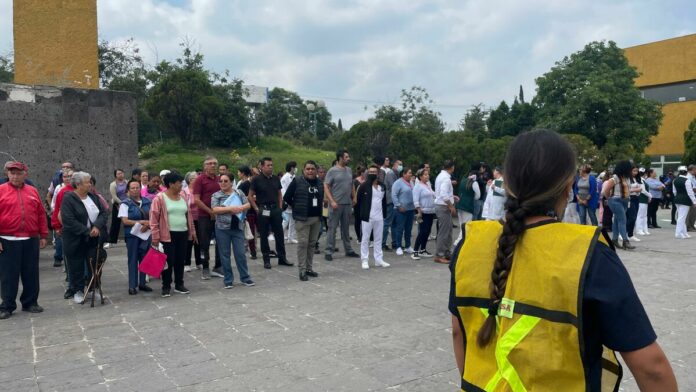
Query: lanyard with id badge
(314, 194)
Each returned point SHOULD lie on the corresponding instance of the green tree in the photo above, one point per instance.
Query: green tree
(592, 93)
(6, 69)
(417, 113)
(585, 151)
(499, 122)
(689, 156)
(368, 139)
(392, 114)
(340, 125)
(474, 122)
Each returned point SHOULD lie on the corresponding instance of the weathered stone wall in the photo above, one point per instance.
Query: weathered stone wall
(44, 126)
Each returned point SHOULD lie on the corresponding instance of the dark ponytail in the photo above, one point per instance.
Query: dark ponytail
(539, 166)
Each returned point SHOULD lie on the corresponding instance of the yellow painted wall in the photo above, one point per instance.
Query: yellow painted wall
(670, 138)
(55, 43)
(663, 62)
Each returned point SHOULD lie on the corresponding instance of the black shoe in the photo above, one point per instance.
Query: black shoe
(627, 245)
(674, 222)
(33, 309)
(312, 274)
(145, 288)
(57, 263)
(657, 227)
(166, 292)
(303, 276)
(352, 254)
(328, 257)
(386, 248)
(69, 293)
(285, 263)
(5, 314)
(272, 254)
(617, 245)
(181, 289)
(267, 264)
(132, 291)
(335, 249)
(317, 251)
(253, 255)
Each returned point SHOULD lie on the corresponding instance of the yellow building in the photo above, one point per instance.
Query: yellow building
(55, 43)
(668, 75)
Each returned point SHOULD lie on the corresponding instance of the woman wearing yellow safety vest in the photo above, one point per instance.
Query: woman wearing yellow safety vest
(540, 305)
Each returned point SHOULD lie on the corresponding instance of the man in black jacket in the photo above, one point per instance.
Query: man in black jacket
(371, 204)
(305, 195)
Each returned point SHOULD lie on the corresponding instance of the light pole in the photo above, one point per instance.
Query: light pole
(313, 111)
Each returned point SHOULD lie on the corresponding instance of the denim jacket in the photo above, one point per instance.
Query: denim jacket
(134, 213)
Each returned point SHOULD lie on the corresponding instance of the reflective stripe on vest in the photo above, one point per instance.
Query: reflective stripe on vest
(544, 327)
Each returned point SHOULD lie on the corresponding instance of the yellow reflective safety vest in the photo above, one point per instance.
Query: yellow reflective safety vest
(538, 344)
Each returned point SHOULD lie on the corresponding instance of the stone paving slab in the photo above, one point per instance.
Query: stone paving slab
(348, 330)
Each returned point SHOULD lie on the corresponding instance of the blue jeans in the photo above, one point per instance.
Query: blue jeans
(224, 238)
(136, 249)
(618, 208)
(584, 210)
(58, 254)
(387, 224)
(478, 209)
(404, 226)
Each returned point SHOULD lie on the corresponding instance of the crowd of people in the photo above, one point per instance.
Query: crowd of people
(183, 215)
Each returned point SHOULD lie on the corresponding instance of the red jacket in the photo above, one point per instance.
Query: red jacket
(22, 212)
(55, 222)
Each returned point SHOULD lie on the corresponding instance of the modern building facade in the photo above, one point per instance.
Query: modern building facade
(668, 75)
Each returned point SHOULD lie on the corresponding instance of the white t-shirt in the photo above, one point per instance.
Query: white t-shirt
(376, 207)
(92, 210)
(55, 195)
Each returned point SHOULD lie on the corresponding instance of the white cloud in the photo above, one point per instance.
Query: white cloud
(462, 52)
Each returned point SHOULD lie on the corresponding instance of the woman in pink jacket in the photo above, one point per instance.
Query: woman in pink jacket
(172, 225)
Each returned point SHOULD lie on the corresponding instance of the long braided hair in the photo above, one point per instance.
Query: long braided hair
(539, 168)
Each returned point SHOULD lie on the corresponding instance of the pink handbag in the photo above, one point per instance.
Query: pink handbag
(153, 263)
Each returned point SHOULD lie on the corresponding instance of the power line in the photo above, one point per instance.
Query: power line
(361, 101)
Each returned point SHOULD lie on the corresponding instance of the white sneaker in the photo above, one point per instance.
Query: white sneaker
(432, 237)
(97, 296)
(425, 253)
(399, 252)
(634, 238)
(687, 236)
(647, 233)
(640, 233)
(187, 268)
(106, 246)
(409, 250)
(382, 264)
(365, 265)
(294, 241)
(415, 256)
(212, 242)
(79, 297)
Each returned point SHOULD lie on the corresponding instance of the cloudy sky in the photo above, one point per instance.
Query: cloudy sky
(361, 53)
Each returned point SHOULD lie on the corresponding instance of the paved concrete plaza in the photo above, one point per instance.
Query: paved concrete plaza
(348, 330)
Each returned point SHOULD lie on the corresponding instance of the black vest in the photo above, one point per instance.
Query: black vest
(680, 184)
(300, 209)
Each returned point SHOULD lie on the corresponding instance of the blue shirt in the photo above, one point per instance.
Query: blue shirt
(612, 312)
(654, 184)
(402, 195)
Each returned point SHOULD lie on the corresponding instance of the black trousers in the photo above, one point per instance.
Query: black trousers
(115, 224)
(193, 248)
(632, 215)
(275, 223)
(207, 228)
(607, 216)
(653, 206)
(424, 229)
(19, 259)
(176, 252)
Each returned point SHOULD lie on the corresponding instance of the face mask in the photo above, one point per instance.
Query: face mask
(400, 168)
(371, 177)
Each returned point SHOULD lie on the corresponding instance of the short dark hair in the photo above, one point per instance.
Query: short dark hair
(290, 165)
(374, 167)
(223, 164)
(448, 164)
(406, 170)
(341, 153)
(310, 162)
(118, 170)
(359, 170)
(378, 160)
(93, 180)
(246, 170)
(171, 178)
(136, 172)
(130, 181)
(263, 160)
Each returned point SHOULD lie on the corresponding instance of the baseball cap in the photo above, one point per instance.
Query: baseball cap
(15, 165)
(681, 168)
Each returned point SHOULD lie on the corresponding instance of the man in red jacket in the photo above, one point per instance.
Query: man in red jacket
(23, 230)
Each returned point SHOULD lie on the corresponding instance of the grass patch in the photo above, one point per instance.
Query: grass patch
(170, 156)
